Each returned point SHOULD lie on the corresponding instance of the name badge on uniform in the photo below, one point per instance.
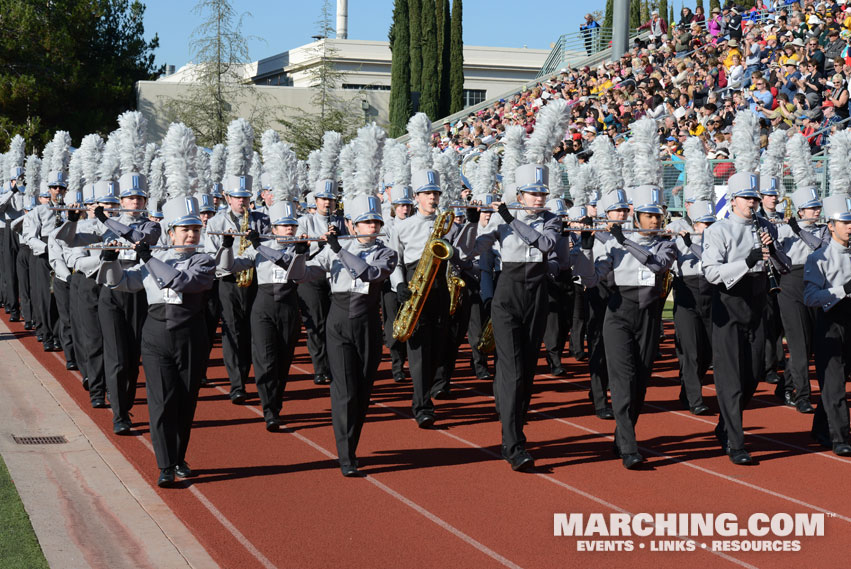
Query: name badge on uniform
(279, 275)
(127, 255)
(534, 255)
(359, 287)
(646, 277)
(172, 297)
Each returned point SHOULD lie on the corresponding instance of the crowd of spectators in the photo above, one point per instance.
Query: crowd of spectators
(789, 62)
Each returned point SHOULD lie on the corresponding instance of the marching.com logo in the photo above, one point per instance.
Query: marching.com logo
(689, 531)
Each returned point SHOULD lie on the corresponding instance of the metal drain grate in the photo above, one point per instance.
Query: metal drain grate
(48, 440)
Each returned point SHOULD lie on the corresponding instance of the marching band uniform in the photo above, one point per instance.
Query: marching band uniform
(560, 293)
(274, 313)
(774, 354)
(236, 301)
(692, 306)
(519, 305)
(11, 207)
(23, 267)
(735, 266)
(213, 307)
(798, 239)
(62, 294)
(315, 297)
(356, 271)
(399, 195)
(174, 341)
(632, 320)
(485, 267)
(827, 287)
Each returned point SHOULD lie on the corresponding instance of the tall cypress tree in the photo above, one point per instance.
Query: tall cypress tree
(414, 28)
(635, 14)
(444, 46)
(663, 11)
(645, 11)
(712, 5)
(671, 23)
(456, 71)
(608, 19)
(429, 80)
(400, 71)
(698, 3)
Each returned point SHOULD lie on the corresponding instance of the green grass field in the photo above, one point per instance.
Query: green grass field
(19, 548)
(668, 311)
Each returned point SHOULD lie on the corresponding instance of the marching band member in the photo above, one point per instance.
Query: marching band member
(315, 297)
(12, 208)
(487, 263)
(559, 292)
(692, 292)
(402, 202)
(736, 251)
(771, 190)
(33, 180)
(236, 293)
(827, 287)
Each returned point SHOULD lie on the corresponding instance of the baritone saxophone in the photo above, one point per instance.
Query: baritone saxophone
(246, 277)
(436, 250)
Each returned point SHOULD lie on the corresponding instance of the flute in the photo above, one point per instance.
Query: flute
(131, 248)
(631, 230)
(296, 240)
(515, 207)
(106, 210)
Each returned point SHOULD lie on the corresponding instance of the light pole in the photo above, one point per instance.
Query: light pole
(364, 105)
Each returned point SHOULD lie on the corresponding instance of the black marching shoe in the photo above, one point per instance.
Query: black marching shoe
(99, 403)
(273, 424)
(822, 439)
(632, 460)
(28, 325)
(71, 365)
(788, 398)
(321, 379)
(39, 337)
(522, 462)
(558, 371)
(443, 394)
(122, 427)
(699, 409)
(350, 471)
(842, 449)
(238, 397)
(804, 406)
(740, 456)
(48, 346)
(399, 376)
(772, 378)
(721, 435)
(425, 421)
(606, 413)
(182, 470)
(484, 375)
(57, 347)
(166, 478)
(86, 383)
(14, 317)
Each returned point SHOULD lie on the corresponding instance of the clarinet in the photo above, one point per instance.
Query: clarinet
(770, 271)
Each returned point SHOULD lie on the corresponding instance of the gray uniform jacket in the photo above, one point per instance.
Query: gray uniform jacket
(226, 221)
(41, 222)
(408, 239)
(688, 263)
(726, 245)
(316, 225)
(275, 263)
(825, 273)
(798, 247)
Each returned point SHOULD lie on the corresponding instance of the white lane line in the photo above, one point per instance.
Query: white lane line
(406, 501)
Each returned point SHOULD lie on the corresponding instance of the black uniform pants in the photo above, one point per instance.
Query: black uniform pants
(598, 299)
(314, 302)
(43, 300)
(23, 270)
(773, 326)
(634, 331)
(519, 315)
(693, 328)
(212, 315)
(274, 332)
(354, 362)
(88, 338)
(738, 344)
(832, 349)
(456, 332)
(389, 308)
(174, 365)
(427, 344)
(475, 327)
(3, 254)
(798, 323)
(121, 316)
(236, 330)
(62, 294)
(11, 245)
(559, 318)
(579, 329)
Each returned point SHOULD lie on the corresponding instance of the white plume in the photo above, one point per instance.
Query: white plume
(699, 182)
(282, 167)
(17, 153)
(217, 163)
(109, 161)
(131, 147)
(151, 150)
(512, 158)
(240, 149)
(256, 170)
(302, 176)
(646, 162)
(744, 143)
(604, 161)
(555, 186)
(178, 152)
(626, 153)
(32, 176)
(61, 151)
(484, 176)
(75, 172)
(800, 161)
(579, 177)
(202, 171)
(267, 139)
(347, 166)
(313, 164)
(396, 164)
(550, 128)
(369, 150)
(446, 164)
(91, 148)
(419, 131)
(156, 181)
(46, 158)
(839, 159)
(329, 155)
(772, 158)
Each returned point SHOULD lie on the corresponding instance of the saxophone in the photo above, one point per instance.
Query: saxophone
(435, 251)
(487, 342)
(455, 284)
(246, 277)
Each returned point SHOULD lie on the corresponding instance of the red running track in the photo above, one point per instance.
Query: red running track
(444, 498)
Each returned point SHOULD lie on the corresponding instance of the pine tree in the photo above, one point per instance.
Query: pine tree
(429, 80)
(663, 13)
(414, 28)
(698, 4)
(444, 45)
(608, 19)
(671, 23)
(400, 71)
(714, 4)
(456, 71)
(635, 14)
(645, 11)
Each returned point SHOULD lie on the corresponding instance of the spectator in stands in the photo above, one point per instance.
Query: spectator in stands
(699, 17)
(791, 75)
(657, 27)
(814, 53)
(735, 73)
(716, 23)
(590, 32)
(761, 99)
(686, 18)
